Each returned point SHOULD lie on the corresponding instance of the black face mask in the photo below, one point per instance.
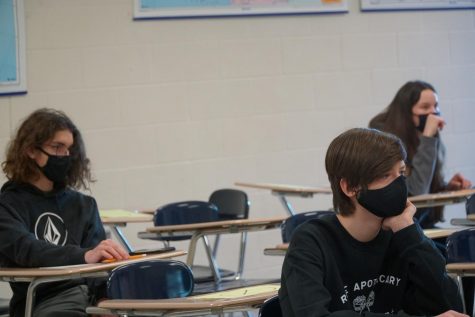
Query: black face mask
(385, 202)
(423, 121)
(56, 168)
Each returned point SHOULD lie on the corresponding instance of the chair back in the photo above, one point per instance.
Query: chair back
(461, 246)
(185, 212)
(290, 224)
(470, 205)
(231, 203)
(154, 279)
(271, 308)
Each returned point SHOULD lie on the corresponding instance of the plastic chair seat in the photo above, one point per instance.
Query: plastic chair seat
(154, 279)
(290, 224)
(461, 246)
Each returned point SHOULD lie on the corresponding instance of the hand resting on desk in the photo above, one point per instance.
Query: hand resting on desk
(107, 249)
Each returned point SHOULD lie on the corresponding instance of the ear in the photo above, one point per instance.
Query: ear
(32, 153)
(350, 192)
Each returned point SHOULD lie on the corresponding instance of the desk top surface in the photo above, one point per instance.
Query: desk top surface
(461, 267)
(241, 296)
(289, 189)
(442, 196)
(271, 221)
(114, 216)
(80, 268)
(426, 200)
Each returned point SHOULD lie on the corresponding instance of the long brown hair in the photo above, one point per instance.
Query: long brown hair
(397, 119)
(360, 156)
(36, 129)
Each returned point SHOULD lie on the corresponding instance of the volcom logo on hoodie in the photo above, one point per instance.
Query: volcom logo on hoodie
(50, 227)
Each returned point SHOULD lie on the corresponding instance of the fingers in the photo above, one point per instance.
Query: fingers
(107, 249)
(459, 182)
(401, 221)
(466, 184)
(110, 249)
(433, 125)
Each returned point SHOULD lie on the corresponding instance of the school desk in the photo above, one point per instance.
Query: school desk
(442, 198)
(460, 270)
(116, 218)
(38, 276)
(420, 201)
(281, 191)
(203, 229)
(239, 299)
(281, 249)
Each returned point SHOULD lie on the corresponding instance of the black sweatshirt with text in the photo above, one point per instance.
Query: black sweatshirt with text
(327, 272)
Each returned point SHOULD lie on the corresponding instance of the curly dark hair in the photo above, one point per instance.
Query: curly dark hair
(39, 127)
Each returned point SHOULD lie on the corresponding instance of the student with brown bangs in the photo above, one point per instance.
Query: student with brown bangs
(414, 116)
(369, 258)
(44, 220)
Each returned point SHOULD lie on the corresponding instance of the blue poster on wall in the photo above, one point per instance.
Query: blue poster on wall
(144, 9)
(12, 47)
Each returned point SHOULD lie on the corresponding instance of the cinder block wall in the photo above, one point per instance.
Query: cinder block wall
(174, 109)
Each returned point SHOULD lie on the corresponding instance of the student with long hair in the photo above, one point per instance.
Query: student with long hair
(44, 220)
(414, 116)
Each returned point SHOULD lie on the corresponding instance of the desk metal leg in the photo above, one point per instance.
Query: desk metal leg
(286, 204)
(121, 238)
(460, 286)
(30, 294)
(212, 262)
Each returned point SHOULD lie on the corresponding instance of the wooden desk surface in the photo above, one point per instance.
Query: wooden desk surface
(440, 233)
(248, 296)
(115, 216)
(81, 268)
(443, 198)
(287, 189)
(427, 200)
(226, 224)
(461, 268)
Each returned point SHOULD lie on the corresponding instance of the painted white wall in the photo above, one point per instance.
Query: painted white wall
(174, 109)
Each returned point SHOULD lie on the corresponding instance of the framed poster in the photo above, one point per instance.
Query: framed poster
(379, 5)
(145, 9)
(12, 47)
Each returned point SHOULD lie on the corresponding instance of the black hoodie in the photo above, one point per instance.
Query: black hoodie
(40, 229)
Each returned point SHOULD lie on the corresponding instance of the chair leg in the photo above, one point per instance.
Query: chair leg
(212, 261)
(242, 253)
(458, 280)
(216, 244)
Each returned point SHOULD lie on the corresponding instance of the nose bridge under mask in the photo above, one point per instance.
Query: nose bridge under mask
(385, 202)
